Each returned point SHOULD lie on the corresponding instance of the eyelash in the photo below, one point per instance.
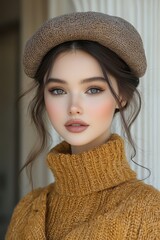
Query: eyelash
(54, 91)
(98, 90)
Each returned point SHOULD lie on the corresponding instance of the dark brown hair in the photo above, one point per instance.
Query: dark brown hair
(110, 63)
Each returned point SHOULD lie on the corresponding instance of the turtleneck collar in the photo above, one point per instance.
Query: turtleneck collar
(100, 168)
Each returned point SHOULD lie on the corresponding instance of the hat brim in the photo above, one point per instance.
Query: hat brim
(112, 32)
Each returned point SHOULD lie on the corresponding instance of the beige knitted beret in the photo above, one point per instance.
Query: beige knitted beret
(113, 32)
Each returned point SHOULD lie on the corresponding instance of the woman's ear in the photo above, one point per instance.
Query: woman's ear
(122, 102)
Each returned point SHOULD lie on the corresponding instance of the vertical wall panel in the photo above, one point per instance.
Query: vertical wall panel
(33, 14)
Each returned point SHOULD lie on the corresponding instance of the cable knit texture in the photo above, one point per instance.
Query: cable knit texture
(96, 196)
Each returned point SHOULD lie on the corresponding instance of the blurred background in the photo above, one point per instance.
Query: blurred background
(18, 20)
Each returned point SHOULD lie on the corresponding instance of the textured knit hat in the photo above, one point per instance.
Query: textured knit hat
(112, 32)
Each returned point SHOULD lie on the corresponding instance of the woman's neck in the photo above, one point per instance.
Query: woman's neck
(75, 149)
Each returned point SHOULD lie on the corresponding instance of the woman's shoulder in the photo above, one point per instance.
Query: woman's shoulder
(147, 193)
(26, 208)
(139, 193)
(134, 207)
(138, 196)
(149, 205)
(144, 199)
(34, 195)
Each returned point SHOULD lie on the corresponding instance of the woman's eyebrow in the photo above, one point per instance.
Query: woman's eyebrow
(93, 79)
(87, 80)
(55, 80)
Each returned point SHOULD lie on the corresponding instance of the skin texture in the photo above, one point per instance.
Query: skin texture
(76, 89)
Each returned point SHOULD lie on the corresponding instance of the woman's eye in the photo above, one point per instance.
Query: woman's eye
(57, 91)
(94, 90)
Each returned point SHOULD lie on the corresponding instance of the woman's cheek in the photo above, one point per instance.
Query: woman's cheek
(54, 110)
(56, 115)
(104, 110)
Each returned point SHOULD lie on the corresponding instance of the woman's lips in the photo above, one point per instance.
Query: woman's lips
(76, 126)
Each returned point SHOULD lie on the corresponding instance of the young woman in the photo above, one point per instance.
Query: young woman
(87, 67)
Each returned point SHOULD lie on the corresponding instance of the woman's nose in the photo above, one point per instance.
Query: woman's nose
(75, 106)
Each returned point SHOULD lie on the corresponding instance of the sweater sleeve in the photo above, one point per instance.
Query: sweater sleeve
(20, 215)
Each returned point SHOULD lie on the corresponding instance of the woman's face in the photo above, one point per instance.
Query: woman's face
(78, 100)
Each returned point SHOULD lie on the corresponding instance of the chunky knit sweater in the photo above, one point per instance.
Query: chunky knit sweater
(96, 196)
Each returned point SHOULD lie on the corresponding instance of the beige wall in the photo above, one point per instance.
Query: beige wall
(58, 7)
(33, 14)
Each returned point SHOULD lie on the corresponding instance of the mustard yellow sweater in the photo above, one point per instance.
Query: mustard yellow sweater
(96, 196)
